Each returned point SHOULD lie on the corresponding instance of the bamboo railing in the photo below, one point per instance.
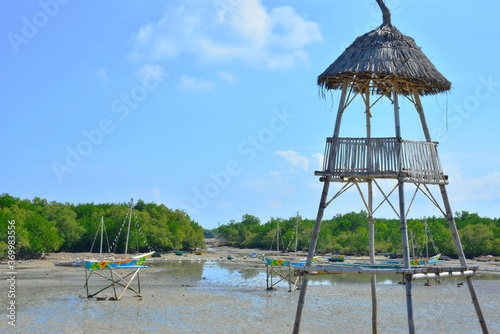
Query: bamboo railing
(368, 158)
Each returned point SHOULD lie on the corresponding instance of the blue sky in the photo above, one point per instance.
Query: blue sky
(212, 106)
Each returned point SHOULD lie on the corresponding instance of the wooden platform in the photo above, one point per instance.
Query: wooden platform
(368, 158)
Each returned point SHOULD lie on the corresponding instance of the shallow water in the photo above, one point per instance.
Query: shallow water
(214, 297)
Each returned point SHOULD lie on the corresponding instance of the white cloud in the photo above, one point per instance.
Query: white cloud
(102, 74)
(294, 159)
(319, 160)
(227, 76)
(247, 31)
(274, 173)
(225, 204)
(156, 193)
(465, 190)
(150, 70)
(190, 83)
(274, 204)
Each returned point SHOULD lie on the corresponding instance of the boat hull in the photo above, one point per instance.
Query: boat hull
(288, 262)
(119, 263)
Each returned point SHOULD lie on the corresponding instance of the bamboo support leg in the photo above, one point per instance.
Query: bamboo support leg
(402, 212)
(113, 282)
(87, 281)
(373, 278)
(406, 258)
(271, 273)
(461, 257)
(267, 276)
(139, 282)
(310, 255)
(321, 210)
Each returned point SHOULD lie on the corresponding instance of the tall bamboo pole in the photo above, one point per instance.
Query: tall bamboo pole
(102, 229)
(278, 235)
(461, 257)
(371, 220)
(296, 233)
(420, 111)
(129, 221)
(402, 213)
(321, 210)
(87, 279)
(451, 221)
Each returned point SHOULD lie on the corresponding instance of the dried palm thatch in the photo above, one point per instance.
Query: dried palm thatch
(385, 55)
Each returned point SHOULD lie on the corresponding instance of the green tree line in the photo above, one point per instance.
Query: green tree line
(348, 234)
(42, 227)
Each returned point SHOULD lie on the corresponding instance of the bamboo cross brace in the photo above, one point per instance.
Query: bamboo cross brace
(125, 282)
(296, 283)
(415, 194)
(386, 198)
(127, 287)
(370, 213)
(348, 96)
(106, 287)
(433, 200)
(361, 89)
(282, 276)
(348, 101)
(340, 192)
(386, 92)
(112, 282)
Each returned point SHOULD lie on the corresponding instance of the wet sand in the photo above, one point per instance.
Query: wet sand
(209, 294)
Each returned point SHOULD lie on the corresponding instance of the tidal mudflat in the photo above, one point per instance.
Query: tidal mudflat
(203, 296)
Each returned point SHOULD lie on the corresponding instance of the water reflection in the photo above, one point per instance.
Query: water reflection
(180, 269)
(228, 273)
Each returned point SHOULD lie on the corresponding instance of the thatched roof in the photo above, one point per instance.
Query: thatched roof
(385, 54)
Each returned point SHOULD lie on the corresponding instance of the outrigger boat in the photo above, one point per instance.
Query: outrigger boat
(288, 262)
(133, 263)
(336, 258)
(118, 263)
(483, 258)
(424, 262)
(69, 264)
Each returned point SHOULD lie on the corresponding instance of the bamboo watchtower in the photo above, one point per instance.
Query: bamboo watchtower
(384, 63)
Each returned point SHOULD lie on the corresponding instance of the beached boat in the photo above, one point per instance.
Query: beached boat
(116, 281)
(288, 262)
(179, 252)
(424, 262)
(130, 262)
(336, 258)
(69, 264)
(483, 258)
(110, 261)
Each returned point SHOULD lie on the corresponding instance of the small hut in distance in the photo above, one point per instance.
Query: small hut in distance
(384, 63)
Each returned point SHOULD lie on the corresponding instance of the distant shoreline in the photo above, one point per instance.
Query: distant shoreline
(243, 257)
